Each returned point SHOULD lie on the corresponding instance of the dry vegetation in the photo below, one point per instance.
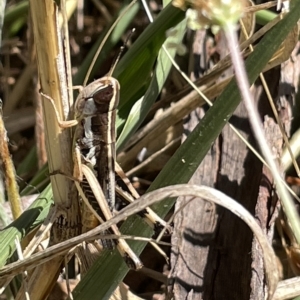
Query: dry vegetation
(211, 254)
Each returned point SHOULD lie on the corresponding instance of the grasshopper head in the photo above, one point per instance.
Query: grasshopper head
(106, 96)
(100, 96)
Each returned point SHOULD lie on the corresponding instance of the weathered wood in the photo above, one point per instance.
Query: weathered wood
(212, 258)
(266, 210)
(194, 230)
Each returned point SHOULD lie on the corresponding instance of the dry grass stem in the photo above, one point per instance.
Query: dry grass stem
(11, 185)
(57, 142)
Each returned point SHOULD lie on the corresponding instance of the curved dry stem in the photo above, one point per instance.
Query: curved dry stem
(202, 192)
(287, 289)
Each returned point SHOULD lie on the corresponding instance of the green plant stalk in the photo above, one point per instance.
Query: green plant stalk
(264, 16)
(184, 162)
(286, 161)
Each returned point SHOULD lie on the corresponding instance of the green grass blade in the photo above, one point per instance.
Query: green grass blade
(161, 72)
(29, 163)
(32, 217)
(15, 18)
(135, 68)
(113, 39)
(16, 11)
(38, 182)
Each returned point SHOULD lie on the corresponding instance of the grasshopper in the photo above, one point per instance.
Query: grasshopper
(94, 156)
(93, 194)
(94, 160)
(100, 100)
(97, 143)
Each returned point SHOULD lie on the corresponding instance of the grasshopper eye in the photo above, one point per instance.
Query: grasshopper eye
(106, 98)
(104, 95)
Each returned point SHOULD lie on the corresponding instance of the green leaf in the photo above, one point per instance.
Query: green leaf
(32, 217)
(38, 182)
(141, 108)
(264, 16)
(29, 163)
(113, 39)
(15, 18)
(135, 68)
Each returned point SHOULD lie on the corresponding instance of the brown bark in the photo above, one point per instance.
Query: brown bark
(212, 258)
(266, 210)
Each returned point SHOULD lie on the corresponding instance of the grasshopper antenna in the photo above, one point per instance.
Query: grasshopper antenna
(109, 74)
(105, 39)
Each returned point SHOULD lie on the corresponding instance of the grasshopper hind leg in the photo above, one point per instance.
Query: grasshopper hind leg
(89, 221)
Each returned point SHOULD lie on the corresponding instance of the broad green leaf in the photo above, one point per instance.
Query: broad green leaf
(16, 11)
